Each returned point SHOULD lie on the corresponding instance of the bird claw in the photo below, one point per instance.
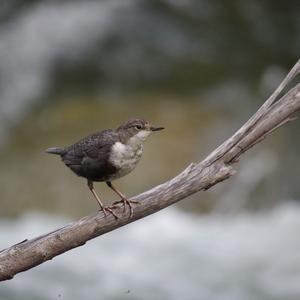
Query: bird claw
(125, 201)
(105, 209)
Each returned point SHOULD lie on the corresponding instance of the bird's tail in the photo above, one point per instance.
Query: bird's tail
(56, 150)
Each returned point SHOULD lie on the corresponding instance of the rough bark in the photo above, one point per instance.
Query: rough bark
(217, 167)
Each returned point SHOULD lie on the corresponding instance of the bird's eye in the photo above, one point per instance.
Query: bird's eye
(138, 127)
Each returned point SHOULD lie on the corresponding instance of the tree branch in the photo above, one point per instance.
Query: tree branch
(197, 176)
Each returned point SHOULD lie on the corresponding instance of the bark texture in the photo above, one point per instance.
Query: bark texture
(275, 112)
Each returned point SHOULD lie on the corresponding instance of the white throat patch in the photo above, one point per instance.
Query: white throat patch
(139, 138)
(126, 156)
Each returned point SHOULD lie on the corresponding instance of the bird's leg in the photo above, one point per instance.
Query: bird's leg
(124, 200)
(102, 207)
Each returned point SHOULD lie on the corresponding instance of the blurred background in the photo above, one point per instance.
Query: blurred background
(198, 68)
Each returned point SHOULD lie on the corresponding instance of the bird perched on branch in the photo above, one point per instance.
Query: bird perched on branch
(107, 155)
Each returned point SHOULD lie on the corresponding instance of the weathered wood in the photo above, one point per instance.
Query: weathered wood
(197, 176)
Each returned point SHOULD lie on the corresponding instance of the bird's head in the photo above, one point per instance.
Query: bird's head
(136, 130)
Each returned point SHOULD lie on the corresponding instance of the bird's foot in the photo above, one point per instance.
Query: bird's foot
(125, 202)
(108, 209)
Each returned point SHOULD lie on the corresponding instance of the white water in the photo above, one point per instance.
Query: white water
(169, 256)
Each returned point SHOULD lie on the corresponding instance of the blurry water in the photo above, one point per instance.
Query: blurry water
(170, 255)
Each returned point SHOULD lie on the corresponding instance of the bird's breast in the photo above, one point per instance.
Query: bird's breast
(125, 158)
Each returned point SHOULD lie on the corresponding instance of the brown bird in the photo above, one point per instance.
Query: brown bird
(107, 155)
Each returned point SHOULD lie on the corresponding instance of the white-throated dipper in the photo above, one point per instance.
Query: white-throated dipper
(107, 155)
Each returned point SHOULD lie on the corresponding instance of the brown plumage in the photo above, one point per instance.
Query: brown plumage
(107, 155)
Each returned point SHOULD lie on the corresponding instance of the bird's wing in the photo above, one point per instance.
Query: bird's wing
(93, 146)
(98, 145)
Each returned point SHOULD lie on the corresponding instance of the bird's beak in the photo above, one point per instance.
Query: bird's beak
(153, 128)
